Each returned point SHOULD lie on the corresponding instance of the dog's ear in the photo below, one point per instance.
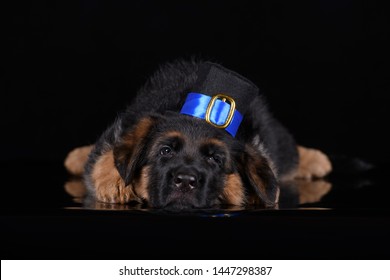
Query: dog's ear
(256, 172)
(130, 152)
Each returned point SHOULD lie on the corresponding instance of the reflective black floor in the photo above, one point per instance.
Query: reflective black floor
(345, 215)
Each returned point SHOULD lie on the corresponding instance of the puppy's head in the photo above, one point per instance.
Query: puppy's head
(179, 162)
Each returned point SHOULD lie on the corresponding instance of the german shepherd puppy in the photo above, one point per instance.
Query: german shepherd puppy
(197, 135)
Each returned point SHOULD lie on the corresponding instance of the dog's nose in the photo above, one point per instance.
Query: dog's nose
(185, 182)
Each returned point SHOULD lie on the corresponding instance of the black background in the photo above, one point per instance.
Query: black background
(69, 67)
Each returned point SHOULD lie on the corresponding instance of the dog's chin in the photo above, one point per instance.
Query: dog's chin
(178, 201)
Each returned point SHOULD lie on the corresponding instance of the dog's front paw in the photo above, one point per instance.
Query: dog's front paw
(312, 164)
(109, 185)
(113, 191)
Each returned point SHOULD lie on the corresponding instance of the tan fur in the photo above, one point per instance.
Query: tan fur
(141, 188)
(76, 188)
(233, 192)
(109, 185)
(277, 196)
(132, 142)
(76, 160)
(312, 164)
(139, 132)
(254, 166)
(312, 191)
(174, 134)
(215, 142)
(255, 177)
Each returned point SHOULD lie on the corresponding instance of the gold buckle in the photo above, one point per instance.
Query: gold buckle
(229, 118)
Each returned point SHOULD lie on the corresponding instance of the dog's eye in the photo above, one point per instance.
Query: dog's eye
(215, 158)
(165, 151)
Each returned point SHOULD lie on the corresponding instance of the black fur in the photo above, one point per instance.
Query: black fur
(260, 136)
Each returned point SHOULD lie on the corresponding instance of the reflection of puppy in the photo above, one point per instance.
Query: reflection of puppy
(182, 144)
